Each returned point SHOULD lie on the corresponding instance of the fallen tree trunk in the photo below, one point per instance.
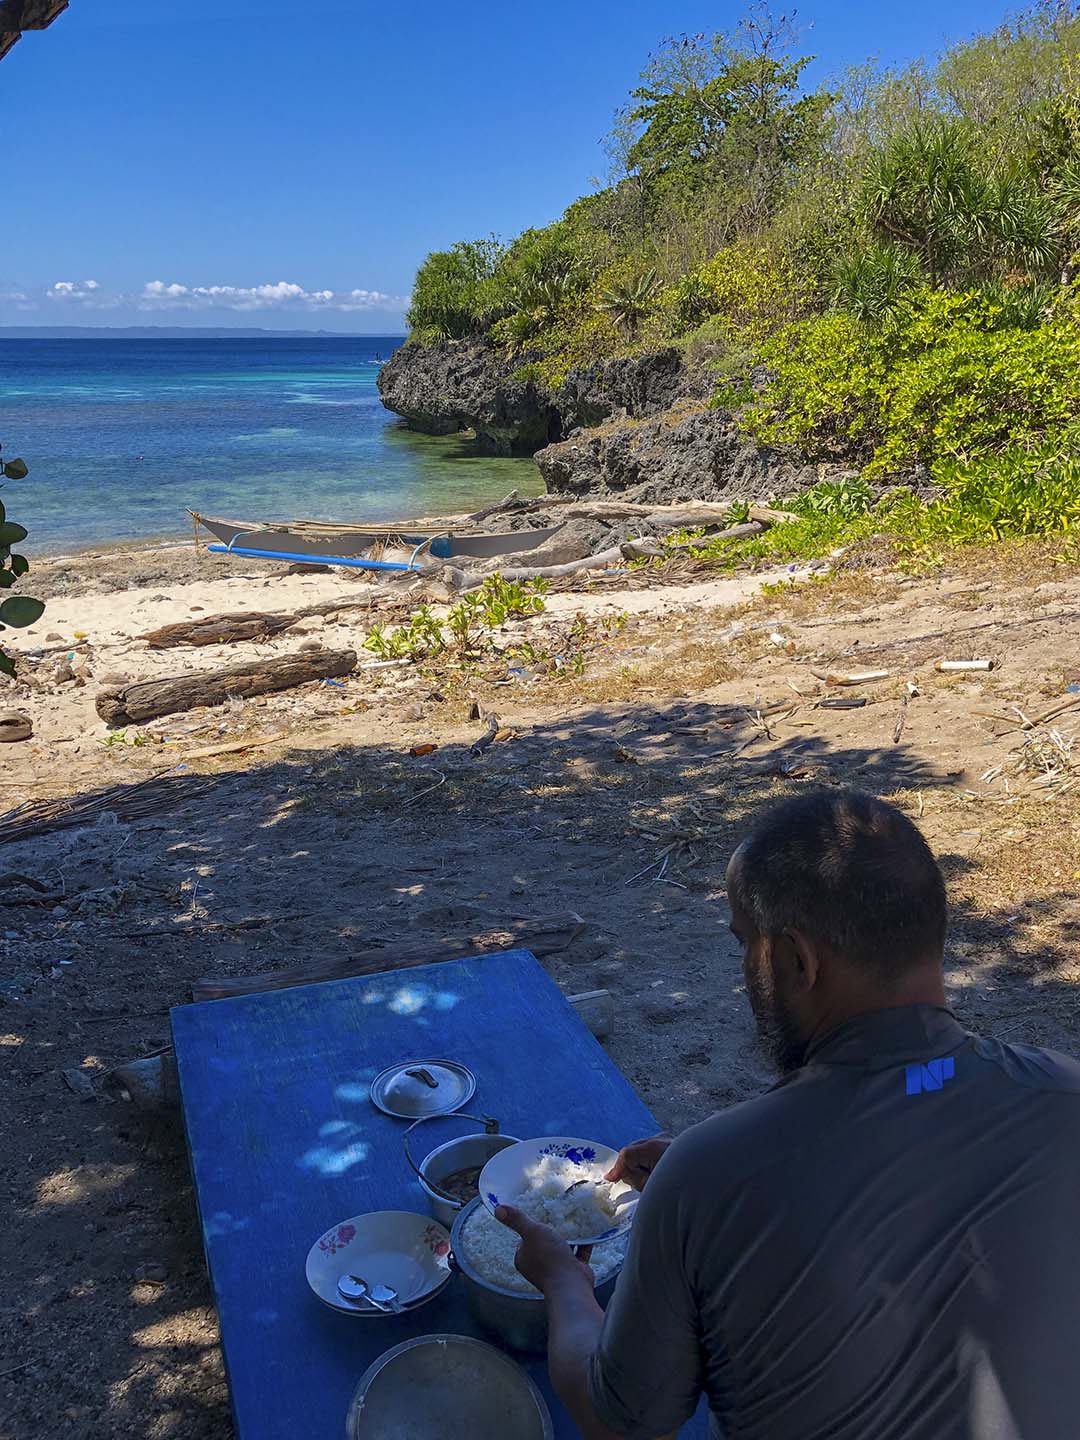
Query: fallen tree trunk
(227, 629)
(551, 572)
(146, 699)
(544, 936)
(218, 630)
(641, 547)
(683, 513)
(700, 517)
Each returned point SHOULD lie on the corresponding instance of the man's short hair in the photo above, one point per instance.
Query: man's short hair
(848, 871)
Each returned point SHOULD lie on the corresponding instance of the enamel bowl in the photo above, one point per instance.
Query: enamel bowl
(409, 1252)
(504, 1177)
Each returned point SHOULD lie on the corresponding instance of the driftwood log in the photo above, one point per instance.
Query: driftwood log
(697, 512)
(146, 699)
(218, 630)
(508, 502)
(544, 936)
(249, 625)
(641, 547)
(600, 561)
(700, 517)
(690, 513)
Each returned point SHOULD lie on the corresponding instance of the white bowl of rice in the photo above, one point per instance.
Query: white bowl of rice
(559, 1181)
(500, 1298)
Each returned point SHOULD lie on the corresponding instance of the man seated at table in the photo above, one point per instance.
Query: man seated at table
(886, 1244)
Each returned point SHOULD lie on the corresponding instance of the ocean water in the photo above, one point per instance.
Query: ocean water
(121, 436)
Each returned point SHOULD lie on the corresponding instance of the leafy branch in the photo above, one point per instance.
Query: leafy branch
(15, 610)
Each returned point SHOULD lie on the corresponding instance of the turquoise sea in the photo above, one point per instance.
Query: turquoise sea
(121, 436)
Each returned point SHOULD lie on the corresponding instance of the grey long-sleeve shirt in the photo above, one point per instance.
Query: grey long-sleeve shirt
(885, 1246)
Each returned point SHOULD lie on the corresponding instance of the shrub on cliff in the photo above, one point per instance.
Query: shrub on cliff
(946, 378)
(539, 280)
(451, 292)
(753, 288)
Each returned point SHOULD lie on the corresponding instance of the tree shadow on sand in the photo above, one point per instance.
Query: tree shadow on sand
(108, 1326)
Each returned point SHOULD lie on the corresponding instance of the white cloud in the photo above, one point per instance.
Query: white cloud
(280, 295)
(87, 293)
(159, 295)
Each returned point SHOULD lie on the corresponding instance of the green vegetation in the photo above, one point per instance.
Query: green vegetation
(882, 271)
(15, 610)
(476, 615)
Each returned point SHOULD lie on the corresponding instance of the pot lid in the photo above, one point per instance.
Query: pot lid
(422, 1087)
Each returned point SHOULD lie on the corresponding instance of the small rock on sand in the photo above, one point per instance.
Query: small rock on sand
(14, 725)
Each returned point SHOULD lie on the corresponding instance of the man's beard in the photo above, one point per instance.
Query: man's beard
(777, 1029)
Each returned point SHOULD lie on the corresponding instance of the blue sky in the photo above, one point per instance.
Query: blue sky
(288, 163)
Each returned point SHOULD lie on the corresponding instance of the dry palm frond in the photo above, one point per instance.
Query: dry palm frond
(126, 802)
(1049, 757)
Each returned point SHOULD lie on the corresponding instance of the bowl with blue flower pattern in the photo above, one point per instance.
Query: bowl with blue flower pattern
(560, 1182)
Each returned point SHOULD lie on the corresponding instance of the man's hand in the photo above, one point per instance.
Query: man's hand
(542, 1257)
(637, 1162)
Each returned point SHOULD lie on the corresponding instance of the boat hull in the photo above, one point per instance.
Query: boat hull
(323, 544)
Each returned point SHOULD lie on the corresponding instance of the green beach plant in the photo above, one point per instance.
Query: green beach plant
(424, 636)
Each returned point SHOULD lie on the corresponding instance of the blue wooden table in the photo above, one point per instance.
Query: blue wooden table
(284, 1142)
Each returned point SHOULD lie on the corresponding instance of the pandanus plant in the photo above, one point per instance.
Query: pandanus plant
(629, 301)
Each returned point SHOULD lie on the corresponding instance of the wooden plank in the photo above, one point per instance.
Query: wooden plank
(284, 1143)
(543, 936)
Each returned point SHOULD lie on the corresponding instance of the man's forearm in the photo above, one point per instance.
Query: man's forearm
(574, 1324)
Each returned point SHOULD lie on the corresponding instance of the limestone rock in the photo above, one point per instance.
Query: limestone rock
(473, 385)
(469, 385)
(693, 452)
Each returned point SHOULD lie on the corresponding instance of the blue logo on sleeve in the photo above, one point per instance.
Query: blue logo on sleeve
(931, 1076)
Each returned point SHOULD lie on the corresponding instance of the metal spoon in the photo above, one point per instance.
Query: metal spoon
(382, 1297)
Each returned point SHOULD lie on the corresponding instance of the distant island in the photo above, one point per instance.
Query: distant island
(174, 332)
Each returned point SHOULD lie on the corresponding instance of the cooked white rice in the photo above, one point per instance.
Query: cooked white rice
(587, 1210)
(490, 1248)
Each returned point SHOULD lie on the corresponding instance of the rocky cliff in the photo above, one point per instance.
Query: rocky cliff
(685, 453)
(470, 385)
(638, 427)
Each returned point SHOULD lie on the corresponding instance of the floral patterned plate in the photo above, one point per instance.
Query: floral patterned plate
(505, 1177)
(409, 1252)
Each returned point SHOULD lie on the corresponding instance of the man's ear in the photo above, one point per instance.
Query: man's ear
(800, 957)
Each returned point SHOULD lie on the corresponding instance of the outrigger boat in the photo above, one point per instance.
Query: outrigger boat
(326, 543)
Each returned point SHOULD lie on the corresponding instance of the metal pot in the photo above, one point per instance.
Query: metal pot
(454, 1155)
(519, 1319)
(447, 1387)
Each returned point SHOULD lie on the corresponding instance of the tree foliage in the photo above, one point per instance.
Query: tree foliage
(15, 610)
(896, 256)
(449, 292)
(724, 117)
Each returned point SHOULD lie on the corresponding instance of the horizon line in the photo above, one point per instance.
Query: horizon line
(219, 329)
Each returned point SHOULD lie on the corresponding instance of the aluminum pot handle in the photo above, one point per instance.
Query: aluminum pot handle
(491, 1127)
